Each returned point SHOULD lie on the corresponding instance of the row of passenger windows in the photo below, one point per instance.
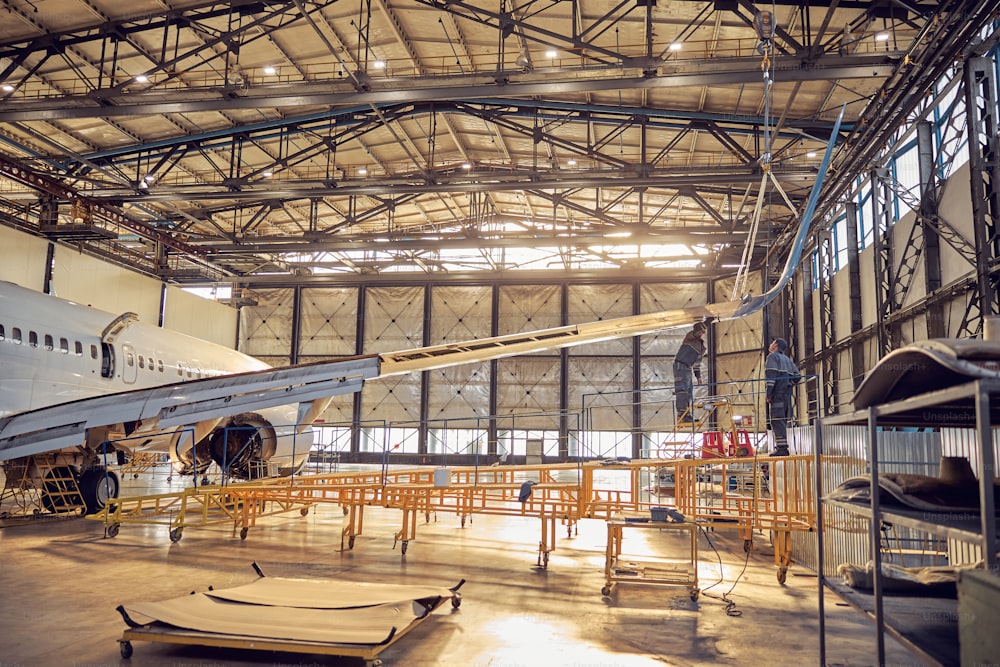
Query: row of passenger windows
(48, 342)
(156, 365)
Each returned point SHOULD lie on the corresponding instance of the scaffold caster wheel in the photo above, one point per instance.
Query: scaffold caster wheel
(113, 529)
(126, 649)
(135, 475)
(244, 531)
(403, 546)
(456, 601)
(345, 510)
(463, 522)
(606, 591)
(782, 574)
(350, 542)
(304, 511)
(747, 546)
(694, 594)
(176, 534)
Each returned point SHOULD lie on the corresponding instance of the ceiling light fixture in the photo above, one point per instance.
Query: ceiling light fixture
(142, 78)
(551, 54)
(379, 64)
(270, 70)
(676, 46)
(881, 37)
(362, 171)
(7, 88)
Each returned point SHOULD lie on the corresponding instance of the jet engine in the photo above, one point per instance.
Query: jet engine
(244, 446)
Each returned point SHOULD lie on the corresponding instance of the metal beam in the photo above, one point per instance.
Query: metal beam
(468, 88)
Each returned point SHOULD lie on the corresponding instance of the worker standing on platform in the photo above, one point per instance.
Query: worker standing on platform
(781, 375)
(687, 369)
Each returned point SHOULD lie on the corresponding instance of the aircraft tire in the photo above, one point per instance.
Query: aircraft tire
(96, 491)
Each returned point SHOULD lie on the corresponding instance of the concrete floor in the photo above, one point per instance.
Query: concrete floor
(61, 581)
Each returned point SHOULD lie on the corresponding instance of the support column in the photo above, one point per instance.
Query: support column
(984, 173)
(828, 379)
(928, 216)
(858, 365)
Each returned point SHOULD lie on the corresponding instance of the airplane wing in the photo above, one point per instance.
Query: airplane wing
(484, 349)
(182, 403)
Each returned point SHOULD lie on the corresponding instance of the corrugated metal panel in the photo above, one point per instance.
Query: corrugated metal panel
(846, 536)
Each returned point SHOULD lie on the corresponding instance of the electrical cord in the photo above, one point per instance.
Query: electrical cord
(729, 603)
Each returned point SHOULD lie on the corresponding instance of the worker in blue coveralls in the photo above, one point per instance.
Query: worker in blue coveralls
(780, 376)
(687, 369)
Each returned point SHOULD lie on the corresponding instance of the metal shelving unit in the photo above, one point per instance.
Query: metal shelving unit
(973, 405)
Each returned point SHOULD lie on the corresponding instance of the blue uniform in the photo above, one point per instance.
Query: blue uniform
(781, 375)
(687, 368)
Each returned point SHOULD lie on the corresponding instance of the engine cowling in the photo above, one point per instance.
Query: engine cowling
(244, 446)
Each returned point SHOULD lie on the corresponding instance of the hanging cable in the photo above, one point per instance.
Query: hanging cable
(764, 24)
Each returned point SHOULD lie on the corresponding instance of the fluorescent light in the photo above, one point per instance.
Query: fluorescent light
(379, 64)
(811, 154)
(268, 174)
(676, 46)
(466, 165)
(149, 178)
(362, 171)
(882, 37)
(270, 70)
(7, 88)
(551, 54)
(142, 78)
(571, 163)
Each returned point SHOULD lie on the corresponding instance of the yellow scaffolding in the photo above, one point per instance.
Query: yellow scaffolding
(746, 494)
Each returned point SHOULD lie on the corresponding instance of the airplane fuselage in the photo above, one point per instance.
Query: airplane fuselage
(54, 351)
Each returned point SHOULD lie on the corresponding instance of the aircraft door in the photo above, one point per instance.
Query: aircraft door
(129, 369)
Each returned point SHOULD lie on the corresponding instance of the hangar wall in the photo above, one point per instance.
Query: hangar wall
(23, 258)
(552, 391)
(909, 318)
(91, 281)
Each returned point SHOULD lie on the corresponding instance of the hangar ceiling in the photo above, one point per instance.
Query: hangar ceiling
(295, 141)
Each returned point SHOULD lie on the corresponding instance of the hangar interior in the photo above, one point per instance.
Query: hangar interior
(309, 181)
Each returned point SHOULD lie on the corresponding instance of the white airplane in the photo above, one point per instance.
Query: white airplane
(78, 384)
